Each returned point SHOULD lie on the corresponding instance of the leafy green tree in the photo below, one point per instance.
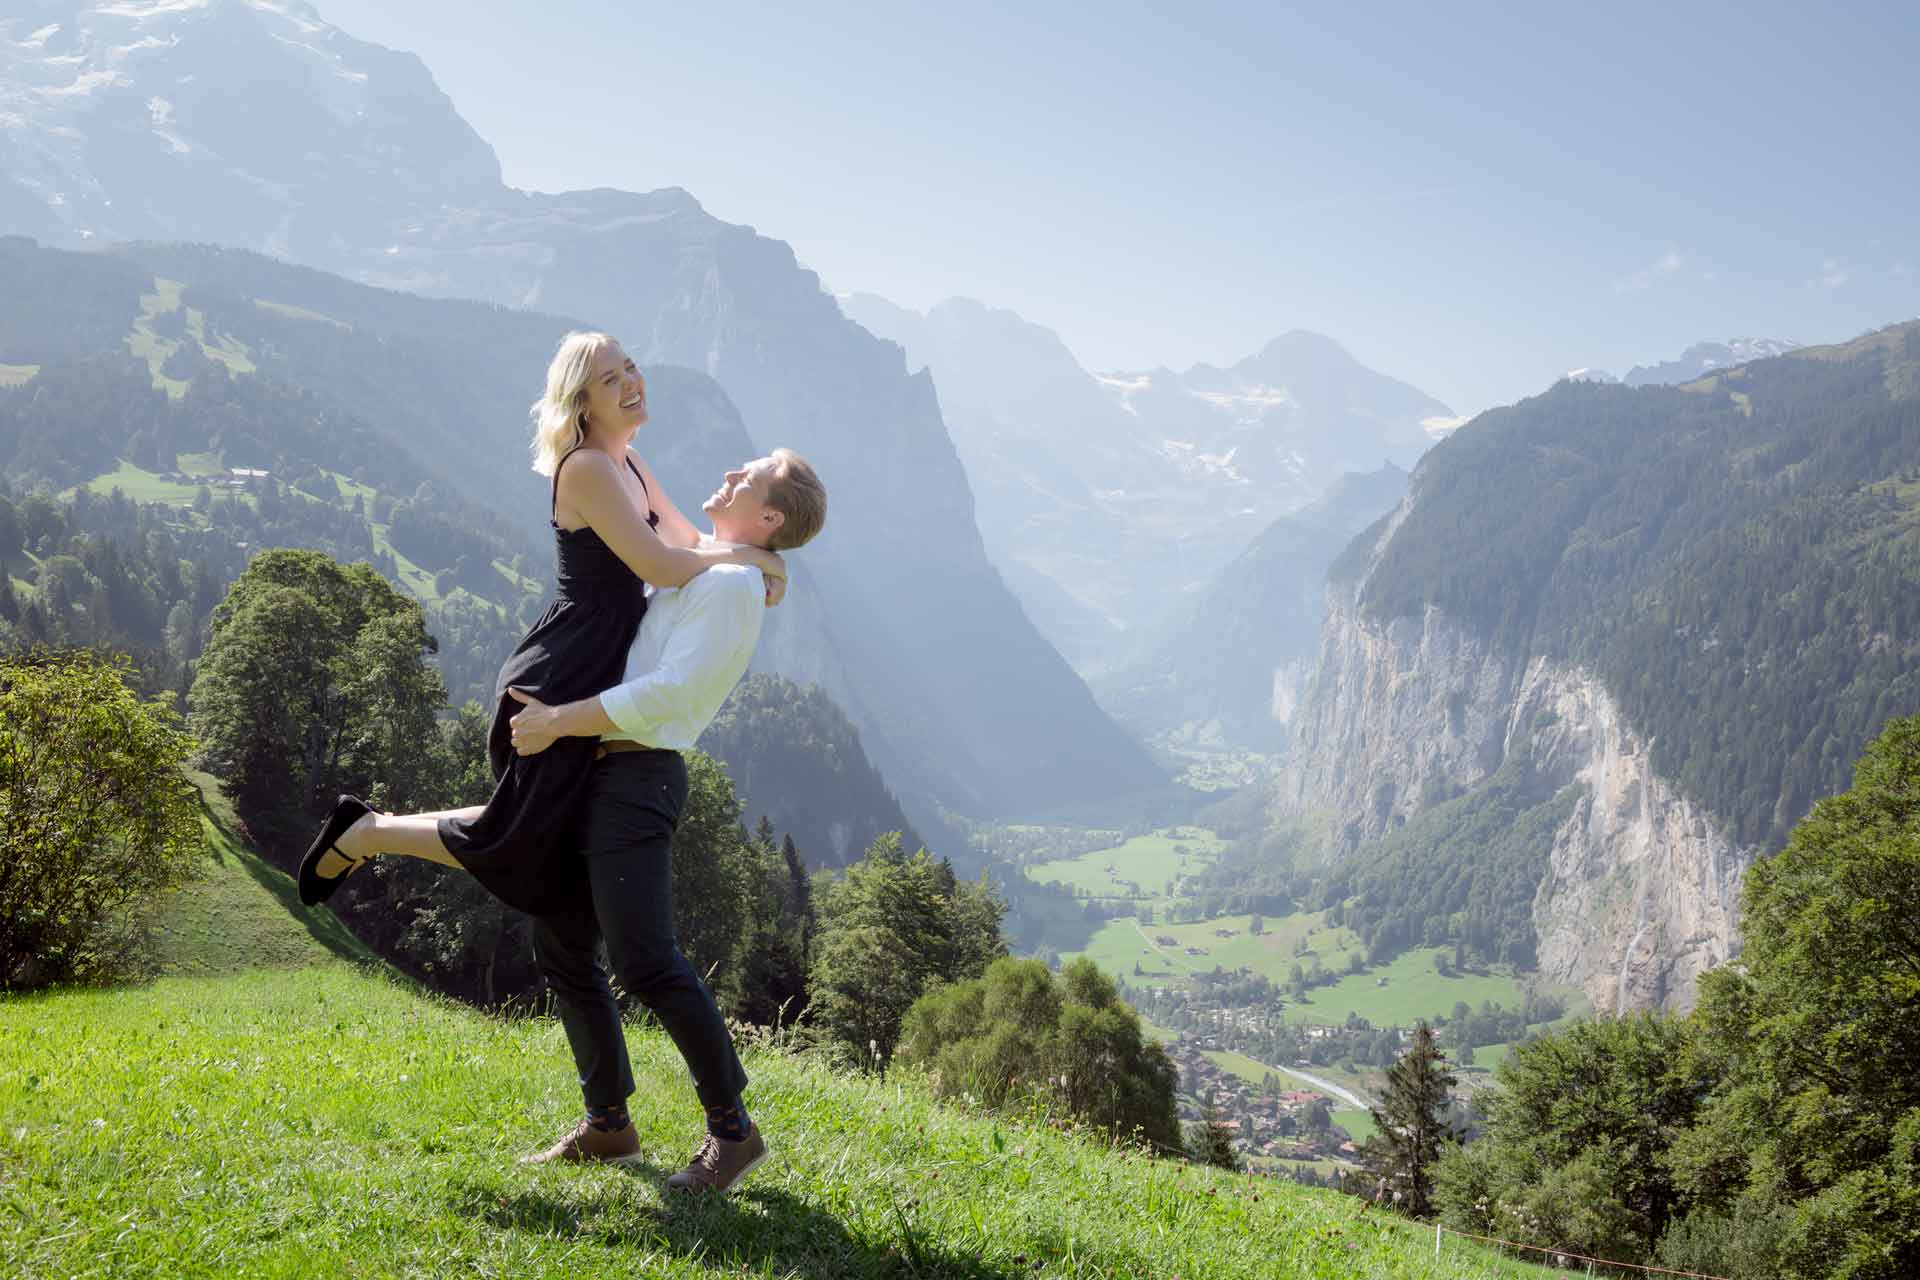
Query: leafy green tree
(1578, 1136)
(95, 817)
(314, 681)
(1116, 1076)
(1411, 1119)
(1018, 1031)
(890, 927)
(1813, 1143)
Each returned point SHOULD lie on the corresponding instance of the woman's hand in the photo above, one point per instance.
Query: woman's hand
(771, 567)
(535, 727)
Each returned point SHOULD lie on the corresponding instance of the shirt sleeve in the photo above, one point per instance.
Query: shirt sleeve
(712, 642)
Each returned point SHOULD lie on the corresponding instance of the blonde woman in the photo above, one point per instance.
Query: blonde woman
(614, 532)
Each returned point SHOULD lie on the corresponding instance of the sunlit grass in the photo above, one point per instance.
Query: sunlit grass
(241, 912)
(327, 1121)
(1284, 941)
(1413, 989)
(140, 485)
(1148, 861)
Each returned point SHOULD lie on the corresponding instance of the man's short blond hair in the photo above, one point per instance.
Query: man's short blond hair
(797, 494)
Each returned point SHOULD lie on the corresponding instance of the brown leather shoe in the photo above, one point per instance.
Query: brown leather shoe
(719, 1165)
(588, 1145)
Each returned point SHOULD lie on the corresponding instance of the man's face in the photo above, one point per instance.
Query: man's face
(738, 508)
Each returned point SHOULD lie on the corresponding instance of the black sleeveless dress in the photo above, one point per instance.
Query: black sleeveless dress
(576, 649)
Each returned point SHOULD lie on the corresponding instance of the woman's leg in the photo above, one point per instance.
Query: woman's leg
(412, 835)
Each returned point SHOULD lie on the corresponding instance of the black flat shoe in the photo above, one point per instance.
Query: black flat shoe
(314, 887)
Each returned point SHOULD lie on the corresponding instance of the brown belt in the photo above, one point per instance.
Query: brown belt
(614, 746)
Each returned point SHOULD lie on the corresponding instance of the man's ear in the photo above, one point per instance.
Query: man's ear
(773, 518)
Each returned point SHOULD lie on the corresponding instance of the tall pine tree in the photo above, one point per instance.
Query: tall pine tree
(1412, 1123)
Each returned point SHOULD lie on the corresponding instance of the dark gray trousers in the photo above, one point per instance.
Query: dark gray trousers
(634, 802)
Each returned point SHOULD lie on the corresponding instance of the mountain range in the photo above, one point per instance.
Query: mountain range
(162, 121)
(1696, 361)
(1109, 498)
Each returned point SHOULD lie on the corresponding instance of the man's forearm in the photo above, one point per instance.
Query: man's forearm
(583, 719)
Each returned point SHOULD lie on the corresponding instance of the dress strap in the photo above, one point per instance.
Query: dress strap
(553, 496)
(653, 517)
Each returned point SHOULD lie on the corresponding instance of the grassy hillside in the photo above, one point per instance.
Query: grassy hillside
(242, 913)
(267, 1110)
(325, 1120)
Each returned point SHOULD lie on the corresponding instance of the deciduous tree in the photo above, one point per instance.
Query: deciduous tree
(95, 817)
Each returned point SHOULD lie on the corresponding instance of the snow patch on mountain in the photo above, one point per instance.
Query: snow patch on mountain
(1703, 358)
(1245, 403)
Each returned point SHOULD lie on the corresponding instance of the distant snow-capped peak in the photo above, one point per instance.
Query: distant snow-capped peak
(1703, 358)
(100, 103)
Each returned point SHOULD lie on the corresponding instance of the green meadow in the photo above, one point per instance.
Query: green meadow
(1146, 861)
(1413, 989)
(141, 485)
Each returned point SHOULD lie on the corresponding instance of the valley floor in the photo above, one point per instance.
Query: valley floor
(1143, 876)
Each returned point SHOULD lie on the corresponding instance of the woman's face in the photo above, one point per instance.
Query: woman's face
(616, 392)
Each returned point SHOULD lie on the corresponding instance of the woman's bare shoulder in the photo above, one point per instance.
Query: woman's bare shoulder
(585, 466)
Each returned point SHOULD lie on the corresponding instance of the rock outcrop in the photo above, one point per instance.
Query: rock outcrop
(1642, 886)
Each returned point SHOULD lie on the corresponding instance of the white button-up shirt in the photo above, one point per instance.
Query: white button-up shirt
(693, 647)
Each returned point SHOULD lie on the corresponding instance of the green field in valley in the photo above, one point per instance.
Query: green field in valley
(18, 375)
(1118, 944)
(1412, 989)
(1358, 1124)
(1140, 868)
(1394, 994)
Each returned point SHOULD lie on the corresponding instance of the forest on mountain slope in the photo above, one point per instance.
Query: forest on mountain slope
(1738, 559)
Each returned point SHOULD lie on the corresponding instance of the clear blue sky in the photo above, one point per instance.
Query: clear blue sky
(1471, 197)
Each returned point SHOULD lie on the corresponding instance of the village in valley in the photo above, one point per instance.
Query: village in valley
(1280, 1026)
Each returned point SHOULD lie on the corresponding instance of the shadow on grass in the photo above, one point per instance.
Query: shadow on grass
(760, 1227)
(321, 925)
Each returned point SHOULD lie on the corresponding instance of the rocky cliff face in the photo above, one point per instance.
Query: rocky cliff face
(1642, 886)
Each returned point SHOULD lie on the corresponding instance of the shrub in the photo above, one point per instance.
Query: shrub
(95, 815)
(1017, 1033)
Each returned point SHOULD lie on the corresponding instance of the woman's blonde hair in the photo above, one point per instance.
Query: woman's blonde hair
(560, 416)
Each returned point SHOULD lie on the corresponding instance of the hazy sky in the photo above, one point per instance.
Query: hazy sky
(1474, 198)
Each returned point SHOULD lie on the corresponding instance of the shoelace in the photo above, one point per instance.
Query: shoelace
(708, 1157)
